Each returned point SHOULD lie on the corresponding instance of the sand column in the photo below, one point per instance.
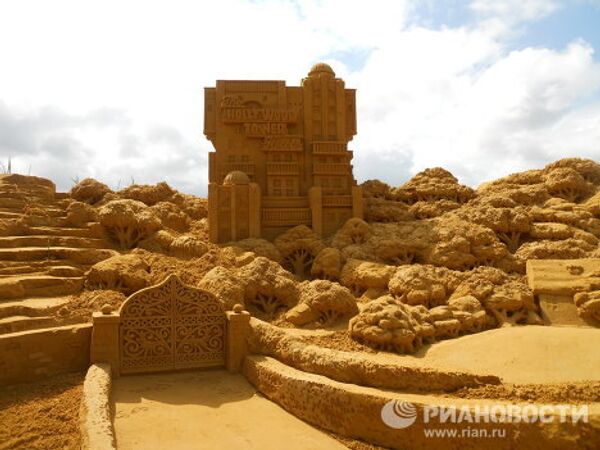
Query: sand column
(238, 326)
(105, 340)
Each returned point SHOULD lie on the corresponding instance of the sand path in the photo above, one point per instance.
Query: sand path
(205, 410)
(528, 354)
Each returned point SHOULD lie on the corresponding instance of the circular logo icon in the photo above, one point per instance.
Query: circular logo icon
(398, 415)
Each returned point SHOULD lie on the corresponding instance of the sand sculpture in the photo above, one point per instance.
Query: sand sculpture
(281, 156)
(338, 292)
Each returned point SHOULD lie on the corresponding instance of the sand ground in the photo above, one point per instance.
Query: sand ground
(42, 415)
(205, 410)
(521, 354)
(527, 354)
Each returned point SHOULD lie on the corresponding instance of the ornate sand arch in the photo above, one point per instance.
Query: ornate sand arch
(170, 326)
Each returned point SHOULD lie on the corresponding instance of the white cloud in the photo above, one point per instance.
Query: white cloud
(515, 10)
(124, 81)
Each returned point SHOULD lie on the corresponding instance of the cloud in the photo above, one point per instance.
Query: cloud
(104, 144)
(515, 10)
(113, 90)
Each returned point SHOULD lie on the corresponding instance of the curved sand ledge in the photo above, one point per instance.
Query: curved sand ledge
(359, 368)
(527, 354)
(355, 411)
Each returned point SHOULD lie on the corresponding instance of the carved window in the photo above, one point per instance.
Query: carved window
(274, 187)
(245, 158)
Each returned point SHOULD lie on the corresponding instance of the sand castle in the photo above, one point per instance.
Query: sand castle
(332, 300)
(281, 156)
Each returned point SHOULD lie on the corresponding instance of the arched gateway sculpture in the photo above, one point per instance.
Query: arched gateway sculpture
(170, 326)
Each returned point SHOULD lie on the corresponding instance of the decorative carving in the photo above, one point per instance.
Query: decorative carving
(171, 326)
(294, 139)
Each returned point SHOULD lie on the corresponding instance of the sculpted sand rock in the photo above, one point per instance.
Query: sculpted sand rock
(79, 214)
(432, 185)
(566, 183)
(299, 247)
(451, 243)
(171, 216)
(225, 285)
(381, 204)
(186, 246)
(159, 242)
(89, 191)
(328, 264)
(423, 285)
(128, 222)
(269, 288)
(354, 231)
(588, 305)
(388, 324)
(364, 277)
(322, 303)
(150, 194)
(509, 223)
(506, 299)
(261, 247)
(124, 273)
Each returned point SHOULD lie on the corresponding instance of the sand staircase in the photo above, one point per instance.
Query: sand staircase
(42, 258)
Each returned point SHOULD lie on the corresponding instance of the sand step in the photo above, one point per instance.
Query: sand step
(38, 286)
(12, 202)
(32, 189)
(44, 211)
(57, 270)
(32, 307)
(14, 324)
(50, 241)
(44, 221)
(8, 268)
(78, 255)
(62, 231)
(6, 214)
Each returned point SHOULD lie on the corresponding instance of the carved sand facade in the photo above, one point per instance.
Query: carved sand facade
(281, 156)
(170, 326)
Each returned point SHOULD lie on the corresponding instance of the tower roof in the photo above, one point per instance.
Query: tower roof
(320, 68)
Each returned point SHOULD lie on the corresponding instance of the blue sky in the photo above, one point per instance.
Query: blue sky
(579, 20)
(572, 20)
(114, 89)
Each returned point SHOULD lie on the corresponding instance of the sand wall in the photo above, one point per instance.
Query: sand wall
(347, 367)
(32, 355)
(95, 418)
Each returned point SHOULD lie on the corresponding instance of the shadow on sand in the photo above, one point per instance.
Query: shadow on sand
(211, 388)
